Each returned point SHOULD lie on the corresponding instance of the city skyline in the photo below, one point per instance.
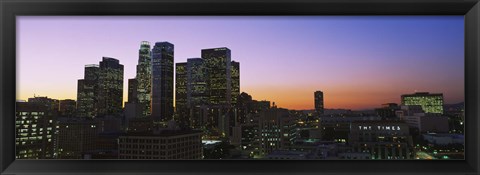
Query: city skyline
(376, 80)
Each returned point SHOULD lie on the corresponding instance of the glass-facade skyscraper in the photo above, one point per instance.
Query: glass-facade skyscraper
(181, 93)
(191, 91)
(197, 92)
(144, 78)
(132, 90)
(110, 95)
(207, 91)
(235, 74)
(219, 84)
(162, 81)
(218, 64)
(87, 92)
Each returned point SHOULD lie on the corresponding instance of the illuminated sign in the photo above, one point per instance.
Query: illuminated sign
(387, 128)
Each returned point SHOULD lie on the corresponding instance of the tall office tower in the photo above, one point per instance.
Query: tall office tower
(318, 95)
(34, 131)
(191, 92)
(144, 78)
(110, 83)
(431, 103)
(181, 94)
(87, 92)
(235, 73)
(132, 90)
(162, 81)
(234, 117)
(218, 65)
(197, 92)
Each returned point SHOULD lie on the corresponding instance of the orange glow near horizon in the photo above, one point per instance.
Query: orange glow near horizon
(359, 62)
(337, 98)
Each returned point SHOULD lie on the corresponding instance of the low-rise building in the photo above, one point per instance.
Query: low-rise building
(164, 144)
(34, 131)
(382, 139)
(75, 136)
(444, 139)
(428, 123)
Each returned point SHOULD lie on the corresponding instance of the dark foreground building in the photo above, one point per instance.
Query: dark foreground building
(165, 144)
(34, 131)
(381, 139)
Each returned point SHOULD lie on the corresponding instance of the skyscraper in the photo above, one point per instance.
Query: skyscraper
(144, 78)
(197, 92)
(132, 90)
(162, 81)
(181, 93)
(218, 64)
(110, 83)
(318, 95)
(431, 103)
(235, 73)
(219, 85)
(87, 92)
(191, 92)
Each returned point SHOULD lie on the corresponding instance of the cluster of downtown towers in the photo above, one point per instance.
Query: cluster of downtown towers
(213, 120)
(207, 89)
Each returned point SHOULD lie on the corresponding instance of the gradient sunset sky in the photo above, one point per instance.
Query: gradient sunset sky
(359, 62)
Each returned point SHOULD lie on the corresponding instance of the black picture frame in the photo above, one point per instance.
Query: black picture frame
(9, 9)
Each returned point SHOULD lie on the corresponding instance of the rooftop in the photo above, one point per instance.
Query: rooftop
(163, 133)
(423, 94)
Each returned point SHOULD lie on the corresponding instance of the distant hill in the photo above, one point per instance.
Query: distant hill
(341, 111)
(454, 107)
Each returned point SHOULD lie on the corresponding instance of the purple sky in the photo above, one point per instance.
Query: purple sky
(359, 62)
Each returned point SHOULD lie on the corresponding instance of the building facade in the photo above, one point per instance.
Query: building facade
(197, 91)
(427, 123)
(319, 108)
(34, 131)
(181, 108)
(431, 103)
(218, 64)
(132, 90)
(144, 78)
(168, 144)
(388, 110)
(382, 139)
(110, 84)
(162, 81)
(219, 85)
(274, 130)
(67, 107)
(235, 74)
(75, 137)
(207, 91)
(87, 92)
